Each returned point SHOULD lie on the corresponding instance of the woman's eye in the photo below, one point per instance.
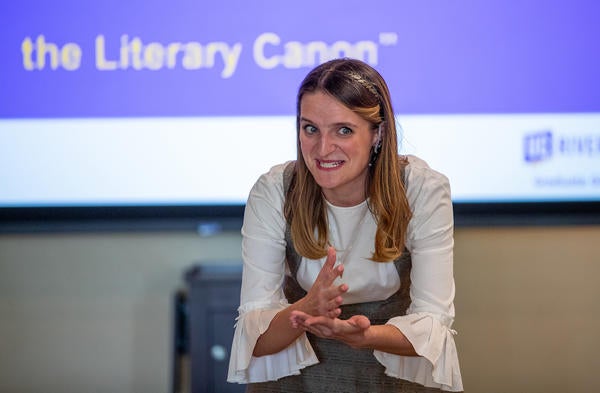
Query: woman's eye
(310, 129)
(345, 131)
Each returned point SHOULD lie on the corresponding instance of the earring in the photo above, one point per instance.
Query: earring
(376, 147)
(374, 154)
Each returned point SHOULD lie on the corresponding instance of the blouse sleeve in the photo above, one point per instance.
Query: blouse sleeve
(428, 322)
(263, 254)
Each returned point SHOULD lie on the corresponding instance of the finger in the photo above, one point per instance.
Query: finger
(299, 315)
(295, 320)
(334, 295)
(319, 321)
(294, 323)
(328, 272)
(340, 270)
(334, 303)
(334, 313)
(331, 257)
(360, 321)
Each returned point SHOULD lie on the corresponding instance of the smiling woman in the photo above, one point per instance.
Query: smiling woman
(336, 145)
(348, 254)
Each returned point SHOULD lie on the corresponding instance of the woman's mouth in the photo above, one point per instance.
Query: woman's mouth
(329, 164)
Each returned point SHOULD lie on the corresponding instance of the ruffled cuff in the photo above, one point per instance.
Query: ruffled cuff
(433, 339)
(245, 368)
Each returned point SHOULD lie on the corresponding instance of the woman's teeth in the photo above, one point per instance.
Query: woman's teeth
(330, 164)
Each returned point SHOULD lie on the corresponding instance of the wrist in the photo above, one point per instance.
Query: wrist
(302, 305)
(369, 338)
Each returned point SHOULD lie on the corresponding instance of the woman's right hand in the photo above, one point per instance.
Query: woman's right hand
(324, 298)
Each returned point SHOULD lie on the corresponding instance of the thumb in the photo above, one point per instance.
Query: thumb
(360, 321)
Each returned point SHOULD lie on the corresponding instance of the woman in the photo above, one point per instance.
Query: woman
(348, 254)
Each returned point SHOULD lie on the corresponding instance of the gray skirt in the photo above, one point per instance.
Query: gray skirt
(341, 368)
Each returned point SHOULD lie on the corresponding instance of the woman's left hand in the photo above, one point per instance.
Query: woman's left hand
(350, 331)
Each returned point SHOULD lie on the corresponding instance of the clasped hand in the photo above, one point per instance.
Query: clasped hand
(322, 308)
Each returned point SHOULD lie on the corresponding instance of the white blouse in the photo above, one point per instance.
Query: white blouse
(429, 318)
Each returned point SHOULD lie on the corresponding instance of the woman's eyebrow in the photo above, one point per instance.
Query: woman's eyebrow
(344, 124)
(337, 124)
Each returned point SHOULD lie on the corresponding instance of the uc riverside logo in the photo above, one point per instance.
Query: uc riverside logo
(537, 146)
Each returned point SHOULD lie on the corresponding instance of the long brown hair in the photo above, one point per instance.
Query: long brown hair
(363, 90)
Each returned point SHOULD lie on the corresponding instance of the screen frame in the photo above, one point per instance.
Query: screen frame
(213, 219)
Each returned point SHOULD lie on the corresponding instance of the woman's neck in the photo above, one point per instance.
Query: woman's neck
(344, 200)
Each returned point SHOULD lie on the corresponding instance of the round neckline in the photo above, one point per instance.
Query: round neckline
(355, 207)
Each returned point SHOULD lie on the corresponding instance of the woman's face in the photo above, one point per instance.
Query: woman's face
(336, 146)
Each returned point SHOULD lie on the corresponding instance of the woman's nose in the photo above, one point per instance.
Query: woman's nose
(326, 145)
